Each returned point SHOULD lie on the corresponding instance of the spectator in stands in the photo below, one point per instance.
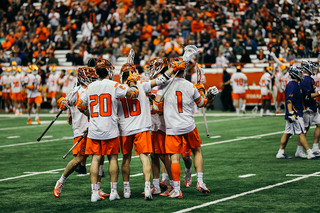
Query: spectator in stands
(41, 57)
(238, 48)
(262, 31)
(224, 46)
(173, 27)
(261, 56)
(15, 58)
(197, 25)
(77, 60)
(3, 56)
(54, 18)
(52, 60)
(221, 60)
(250, 46)
(6, 45)
(245, 58)
(84, 54)
(146, 31)
(185, 26)
(289, 56)
(86, 28)
(232, 57)
(259, 39)
(71, 28)
(42, 33)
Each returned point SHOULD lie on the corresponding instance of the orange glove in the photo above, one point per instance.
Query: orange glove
(177, 64)
(81, 107)
(31, 87)
(133, 77)
(200, 88)
(62, 104)
(40, 88)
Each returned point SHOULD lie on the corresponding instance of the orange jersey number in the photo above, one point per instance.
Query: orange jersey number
(239, 81)
(179, 96)
(133, 105)
(15, 83)
(104, 101)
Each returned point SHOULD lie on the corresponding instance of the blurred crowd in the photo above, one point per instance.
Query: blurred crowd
(110, 28)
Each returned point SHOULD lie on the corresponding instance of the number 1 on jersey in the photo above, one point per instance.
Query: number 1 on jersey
(179, 97)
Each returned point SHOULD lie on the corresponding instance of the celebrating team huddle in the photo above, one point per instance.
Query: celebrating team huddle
(156, 116)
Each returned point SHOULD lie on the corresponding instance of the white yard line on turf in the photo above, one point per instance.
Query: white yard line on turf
(25, 115)
(35, 124)
(35, 142)
(245, 193)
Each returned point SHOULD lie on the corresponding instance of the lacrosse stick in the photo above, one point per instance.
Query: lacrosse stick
(189, 52)
(84, 135)
(199, 74)
(130, 58)
(69, 98)
(255, 109)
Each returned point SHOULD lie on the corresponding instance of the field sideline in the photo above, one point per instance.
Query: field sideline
(240, 169)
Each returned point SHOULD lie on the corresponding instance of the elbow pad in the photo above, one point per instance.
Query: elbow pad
(81, 107)
(157, 107)
(202, 101)
(134, 92)
(162, 79)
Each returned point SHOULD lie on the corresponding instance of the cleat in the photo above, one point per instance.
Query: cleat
(38, 120)
(7, 111)
(317, 154)
(243, 111)
(176, 194)
(167, 192)
(300, 154)
(126, 192)
(114, 195)
(164, 185)
(29, 121)
(203, 188)
(155, 191)
(283, 156)
(95, 196)
(147, 193)
(187, 179)
(310, 155)
(102, 193)
(77, 168)
(57, 189)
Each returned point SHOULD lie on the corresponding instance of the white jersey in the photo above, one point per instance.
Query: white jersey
(265, 83)
(79, 120)
(34, 80)
(134, 115)
(194, 78)
(15, 83)
(283, 81)
(101, 98)
(53, 83)
(5, 81)
(238, 80)
(178, 106)
(156, 119)
(317, 81)
(68, 83)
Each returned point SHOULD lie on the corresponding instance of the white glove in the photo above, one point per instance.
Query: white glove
(212, 92)
(292, 117)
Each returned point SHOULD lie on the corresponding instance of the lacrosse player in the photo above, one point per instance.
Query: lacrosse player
(67, 82)
(266, 91)
(100, 102)
(239, 81)
(5, 83)
(15, 80)
(310, 114)
(34, 92)
(177, 109)
(53, 88)
(294, 114)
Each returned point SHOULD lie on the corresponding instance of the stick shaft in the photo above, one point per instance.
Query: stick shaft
(205, 122)
(64, 157)
(168, 86)
(49, 125)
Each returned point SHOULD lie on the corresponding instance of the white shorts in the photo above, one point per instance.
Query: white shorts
(310, 120)
(295, 128)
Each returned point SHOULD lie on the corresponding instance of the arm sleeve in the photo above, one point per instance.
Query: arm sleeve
(121, 90)
(146, 86)
(196, 93)
(84, 98)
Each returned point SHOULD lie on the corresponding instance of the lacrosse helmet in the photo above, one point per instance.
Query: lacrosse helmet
(34, 69)
(86, 75)
(104, 67)
(283, 69)
(53, 70)
(13, 70)
(157, 65)
(70, 72)
(178, 60)
(124, 72)
(295, 73)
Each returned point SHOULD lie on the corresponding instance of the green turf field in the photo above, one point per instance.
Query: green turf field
(243, 145)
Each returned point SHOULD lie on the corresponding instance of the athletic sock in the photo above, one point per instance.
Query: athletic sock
(147, 184)
(237, 110)
(176, 185)
(37, 115)
(29, 115)
(243, 107)
(309, 151)
(62, 179)
(114, 185)
(200, 177)
(126, 184)
(299, 148)
(281, 151)
(6, 109)
(315, 147)
(261, 111)
(268, 112)
(164, 176)
(156, 183)
(100, 170)
(94, 187)
(98, 185)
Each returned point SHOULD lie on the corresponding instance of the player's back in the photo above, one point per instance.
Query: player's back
(178, 106)
(134, 115)
(156, 119)
(5, 81)
(102, 103)
(52, 82)
(34, 80)
(15, 83)
(238, 82)
(265, 83)
(79, 120)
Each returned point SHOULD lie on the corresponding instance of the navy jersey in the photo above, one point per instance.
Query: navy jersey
(293, 94)
(308, 86)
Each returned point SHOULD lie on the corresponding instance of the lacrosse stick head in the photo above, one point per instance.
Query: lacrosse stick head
(189, 52)
(200, 72)
(130, 58)
(157, 65)
(125, 71)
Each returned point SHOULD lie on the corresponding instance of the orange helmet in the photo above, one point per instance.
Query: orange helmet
(106, 65)
(157, 65)
(127, 67)
(86, 75)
